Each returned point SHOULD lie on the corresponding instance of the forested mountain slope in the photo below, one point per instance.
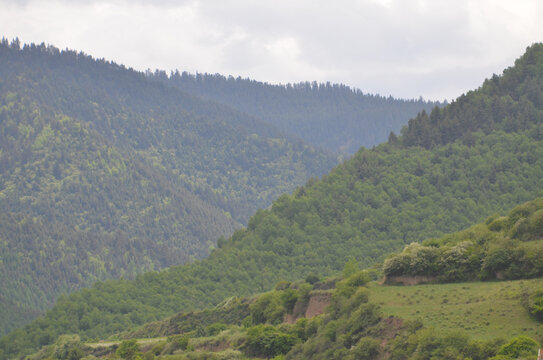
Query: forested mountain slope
(372, 204)
(510, 103)
(332, 116)
(105, 173)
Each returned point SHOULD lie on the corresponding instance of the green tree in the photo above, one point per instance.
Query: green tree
(128, 349)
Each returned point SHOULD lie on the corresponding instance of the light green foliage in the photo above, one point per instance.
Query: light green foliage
(66, 347)
(268, 308)
(484, 310)
(272, 307)
(359, 329)
(534, 304)
(521, 346)
(414, 342)
(508, 247)
(350, 267)
(128, 349)
(105, 173)
(268, 341)
(376, 202)
(349, 317)
(349, 285)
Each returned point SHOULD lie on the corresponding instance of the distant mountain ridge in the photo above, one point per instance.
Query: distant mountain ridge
(370, 205)
(332, 116)
(106, 173)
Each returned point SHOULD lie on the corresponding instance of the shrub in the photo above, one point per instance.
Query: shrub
(215, 328)
(535, 305)
(519, 346)
(181, 342)
(128, 349)
(311, 279)
(268, 308)
(366, 349)
(265, 340)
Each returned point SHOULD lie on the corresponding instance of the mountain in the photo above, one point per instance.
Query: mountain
(105, 173)
(374, 203)
(332, 116)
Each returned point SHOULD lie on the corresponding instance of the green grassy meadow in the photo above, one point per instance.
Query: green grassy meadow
(483, 309)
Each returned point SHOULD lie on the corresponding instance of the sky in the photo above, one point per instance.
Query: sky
(405, 48)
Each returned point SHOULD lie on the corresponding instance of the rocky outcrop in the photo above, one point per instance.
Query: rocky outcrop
(318, 301)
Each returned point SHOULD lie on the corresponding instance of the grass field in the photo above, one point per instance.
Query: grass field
(484, 309)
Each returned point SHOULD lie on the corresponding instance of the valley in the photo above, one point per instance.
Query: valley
(127, 196)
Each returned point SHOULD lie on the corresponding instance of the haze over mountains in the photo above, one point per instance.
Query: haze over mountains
(106, 172)
(332, 116)
(448, 169)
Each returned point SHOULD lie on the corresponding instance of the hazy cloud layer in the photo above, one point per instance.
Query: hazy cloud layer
(407, 48)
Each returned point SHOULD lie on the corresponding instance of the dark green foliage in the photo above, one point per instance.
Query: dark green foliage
(215, 328)
(376, 202)
(105, 173)
(268, 341)
(534, 303)
(366, 349)
(13, 316)
(181, 342)
(311, 279)
(508, 247)
(511, 102)
(332, 116)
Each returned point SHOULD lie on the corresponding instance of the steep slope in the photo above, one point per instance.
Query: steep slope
(372, 204)
(226, 157)
(510, 103)
(105, 173)
(332, 116)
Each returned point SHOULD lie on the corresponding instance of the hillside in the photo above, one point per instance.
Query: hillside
(374, 203)
(332, 116)
(484, 310)
(506, 247)
(105, 173)
(357, 320)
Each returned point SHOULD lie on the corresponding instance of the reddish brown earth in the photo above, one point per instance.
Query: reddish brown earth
(316, 305)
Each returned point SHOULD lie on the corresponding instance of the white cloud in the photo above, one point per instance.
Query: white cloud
(407, 48)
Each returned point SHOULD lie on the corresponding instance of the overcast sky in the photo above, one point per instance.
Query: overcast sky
(405, 48)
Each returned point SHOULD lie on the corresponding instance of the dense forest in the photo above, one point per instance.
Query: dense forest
(332, 116)
(105, 173)
(374, 203)
(510, 103)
